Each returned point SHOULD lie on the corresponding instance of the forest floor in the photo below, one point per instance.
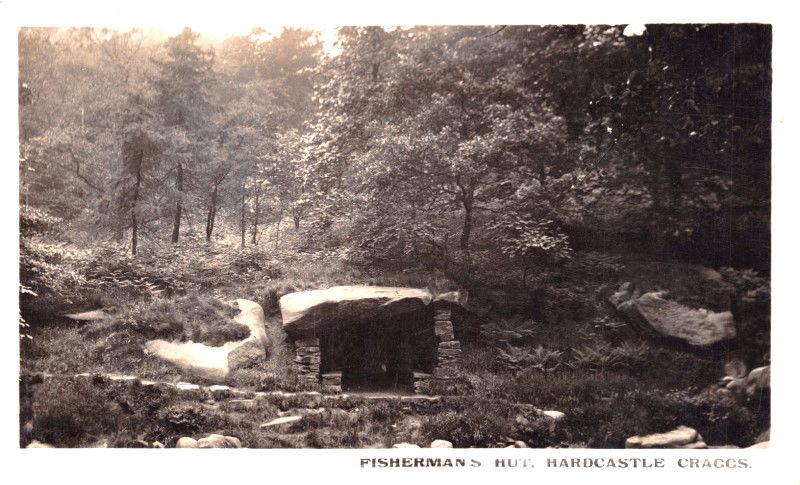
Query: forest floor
(573, 355)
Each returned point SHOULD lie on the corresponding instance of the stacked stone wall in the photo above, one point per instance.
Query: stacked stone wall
(308, 358)
(448, 353)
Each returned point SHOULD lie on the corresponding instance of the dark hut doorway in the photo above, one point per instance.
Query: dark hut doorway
(381, 355)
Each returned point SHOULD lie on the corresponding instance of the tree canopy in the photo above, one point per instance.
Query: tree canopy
(512, 145)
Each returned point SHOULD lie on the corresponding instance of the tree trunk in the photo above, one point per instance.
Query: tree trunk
(212, 214)
(278, 230)
(176, 225)
(467, 198)
(134, 234)
(466, 231)
(134, 217)
(242, 226)
(256, 210)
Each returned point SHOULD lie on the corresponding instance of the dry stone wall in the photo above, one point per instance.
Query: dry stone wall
(308, 358)
(448, 353)
(332, 382)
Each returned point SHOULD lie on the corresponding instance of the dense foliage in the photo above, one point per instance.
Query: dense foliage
(425, 144)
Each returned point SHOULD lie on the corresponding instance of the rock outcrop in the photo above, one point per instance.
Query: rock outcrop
(308, 311)
(404, 445)
(219, 441)
(699, 327)
(215, 363)
(554, 415)
(441, 444)
(757, 380)
(681, 437)
(742, 384)
(210, 441)
(186, 442)
(281, 420)
(90, 316)
(736, 368)
(517, 444)
(39, 444)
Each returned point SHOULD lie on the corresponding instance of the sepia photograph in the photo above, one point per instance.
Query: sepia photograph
(395, 236)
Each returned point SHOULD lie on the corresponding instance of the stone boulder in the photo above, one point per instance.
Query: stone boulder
(39, 444)
(210, 441)
(698, 327)
(681, 437)
(307, 311)
(281, 420)
(735, 368)
(757, 380)
(186, 442)
(215, 363)
(404, 445)
(90, 316)
(554, 415)
(247, 355)
(441, 444)
(735, 386)
(219, 441)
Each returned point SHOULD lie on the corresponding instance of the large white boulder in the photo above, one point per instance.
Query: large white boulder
(681, 437)
(554, 415)
(39, 444)
(219, 441)
(186, 442)
(699, 327)
(441, 444)
(281, 420)
(215, 363)
(90, 316)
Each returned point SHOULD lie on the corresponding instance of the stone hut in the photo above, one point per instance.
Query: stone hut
(373, 338)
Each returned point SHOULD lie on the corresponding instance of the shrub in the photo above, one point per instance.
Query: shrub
(383, 412)
(69, 413)
(722, 419)
(751, 310)
(61, 351)
(602, 355)
(184, 418)
(325, 438)
(482, 425)
(458, 385)
(595, 265)
(278, 371)
(603, 408)
(519, 358)
(332, 428)
(670, 369)
(476, 358)
(189, 317)
(256, 379)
